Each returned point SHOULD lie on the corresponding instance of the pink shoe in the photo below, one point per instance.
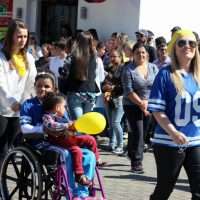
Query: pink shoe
(90, 198)
(76, 198)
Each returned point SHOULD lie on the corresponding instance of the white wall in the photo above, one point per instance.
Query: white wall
(161, 16)
(30, 13)
(20, 4)
(110, 16)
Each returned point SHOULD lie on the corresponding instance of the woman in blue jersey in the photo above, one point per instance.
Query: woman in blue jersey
(31, 122)
(174, 102)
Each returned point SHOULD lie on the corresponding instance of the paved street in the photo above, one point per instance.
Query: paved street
(121, 184)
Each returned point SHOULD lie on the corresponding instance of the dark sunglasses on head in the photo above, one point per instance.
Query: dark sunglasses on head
(191, 43)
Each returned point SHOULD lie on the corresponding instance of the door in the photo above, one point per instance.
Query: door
(56, 15)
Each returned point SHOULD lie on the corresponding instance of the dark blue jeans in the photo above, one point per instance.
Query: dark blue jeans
(80, 103)
(169, 162)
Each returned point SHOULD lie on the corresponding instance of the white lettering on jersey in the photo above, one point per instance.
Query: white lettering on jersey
(184, 104)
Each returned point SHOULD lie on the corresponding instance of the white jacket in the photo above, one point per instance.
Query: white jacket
(14, 88)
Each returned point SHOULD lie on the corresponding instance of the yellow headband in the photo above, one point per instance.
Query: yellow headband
(177, 35)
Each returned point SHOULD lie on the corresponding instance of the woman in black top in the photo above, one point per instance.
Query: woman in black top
(80, 86)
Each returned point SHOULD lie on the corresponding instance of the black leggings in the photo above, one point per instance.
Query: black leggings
(136, 135)
(9, 127)
(169, 162)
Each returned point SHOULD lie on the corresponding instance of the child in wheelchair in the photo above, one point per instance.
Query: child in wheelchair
(61, 132)
(31, 114)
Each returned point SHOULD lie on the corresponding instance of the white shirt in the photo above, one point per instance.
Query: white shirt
(14, 88)
(55, 63)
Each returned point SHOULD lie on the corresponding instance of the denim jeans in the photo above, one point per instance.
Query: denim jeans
(116, 132)
(169, 162)
(80, 103)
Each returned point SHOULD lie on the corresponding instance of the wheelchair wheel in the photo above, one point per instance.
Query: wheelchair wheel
(20, 176)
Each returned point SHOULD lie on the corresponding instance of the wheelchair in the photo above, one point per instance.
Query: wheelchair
(30, 173)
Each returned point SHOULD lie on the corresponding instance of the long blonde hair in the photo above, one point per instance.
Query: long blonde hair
(175, 65)
(176, 75)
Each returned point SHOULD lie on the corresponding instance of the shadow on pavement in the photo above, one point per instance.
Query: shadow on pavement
(151, 180)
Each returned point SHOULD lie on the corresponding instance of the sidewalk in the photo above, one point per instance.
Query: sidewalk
(121, 184)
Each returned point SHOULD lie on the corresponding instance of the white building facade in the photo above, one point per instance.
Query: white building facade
(127, 16)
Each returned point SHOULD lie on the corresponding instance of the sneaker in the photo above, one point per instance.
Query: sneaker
(137, 169)
(123, 154)
(118, 151)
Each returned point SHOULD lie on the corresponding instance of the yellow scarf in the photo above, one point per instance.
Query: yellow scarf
(19, 63)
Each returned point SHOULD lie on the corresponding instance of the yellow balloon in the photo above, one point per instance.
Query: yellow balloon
(90, 123)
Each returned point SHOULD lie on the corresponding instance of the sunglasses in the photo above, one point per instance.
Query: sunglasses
(182, 43)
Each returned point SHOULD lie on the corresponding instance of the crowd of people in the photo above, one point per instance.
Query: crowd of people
(146, 89)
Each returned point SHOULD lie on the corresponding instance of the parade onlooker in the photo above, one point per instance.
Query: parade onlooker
(81, 87)
(42, 64)
(112, 88)
(34, 48)
(162, 56)
(174, 103)
(174, 29)
(127, 49)
(142, 36)
(137, 79)
(95, 36)
(17, 74)
(150, 38)
(101, 49)
(58, 61)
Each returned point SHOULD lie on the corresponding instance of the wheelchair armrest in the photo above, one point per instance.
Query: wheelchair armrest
(34, 136)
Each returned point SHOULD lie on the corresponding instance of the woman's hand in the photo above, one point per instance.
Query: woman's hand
(107, 88)
(107, 96)
(179, 138)
(143, 107)
(15, 106)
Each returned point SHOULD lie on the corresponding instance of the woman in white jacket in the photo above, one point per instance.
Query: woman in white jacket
(17, 74)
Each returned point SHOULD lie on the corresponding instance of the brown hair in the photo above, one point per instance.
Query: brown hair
(82, 52)
(13, 26)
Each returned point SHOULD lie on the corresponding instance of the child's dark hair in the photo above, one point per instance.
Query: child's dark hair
(46, 75)
(50, 100)
(100, 45)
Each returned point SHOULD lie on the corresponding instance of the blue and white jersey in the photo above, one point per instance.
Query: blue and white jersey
(31, 112)
(182, 110)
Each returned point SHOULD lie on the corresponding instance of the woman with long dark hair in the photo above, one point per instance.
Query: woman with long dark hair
(81, 87)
